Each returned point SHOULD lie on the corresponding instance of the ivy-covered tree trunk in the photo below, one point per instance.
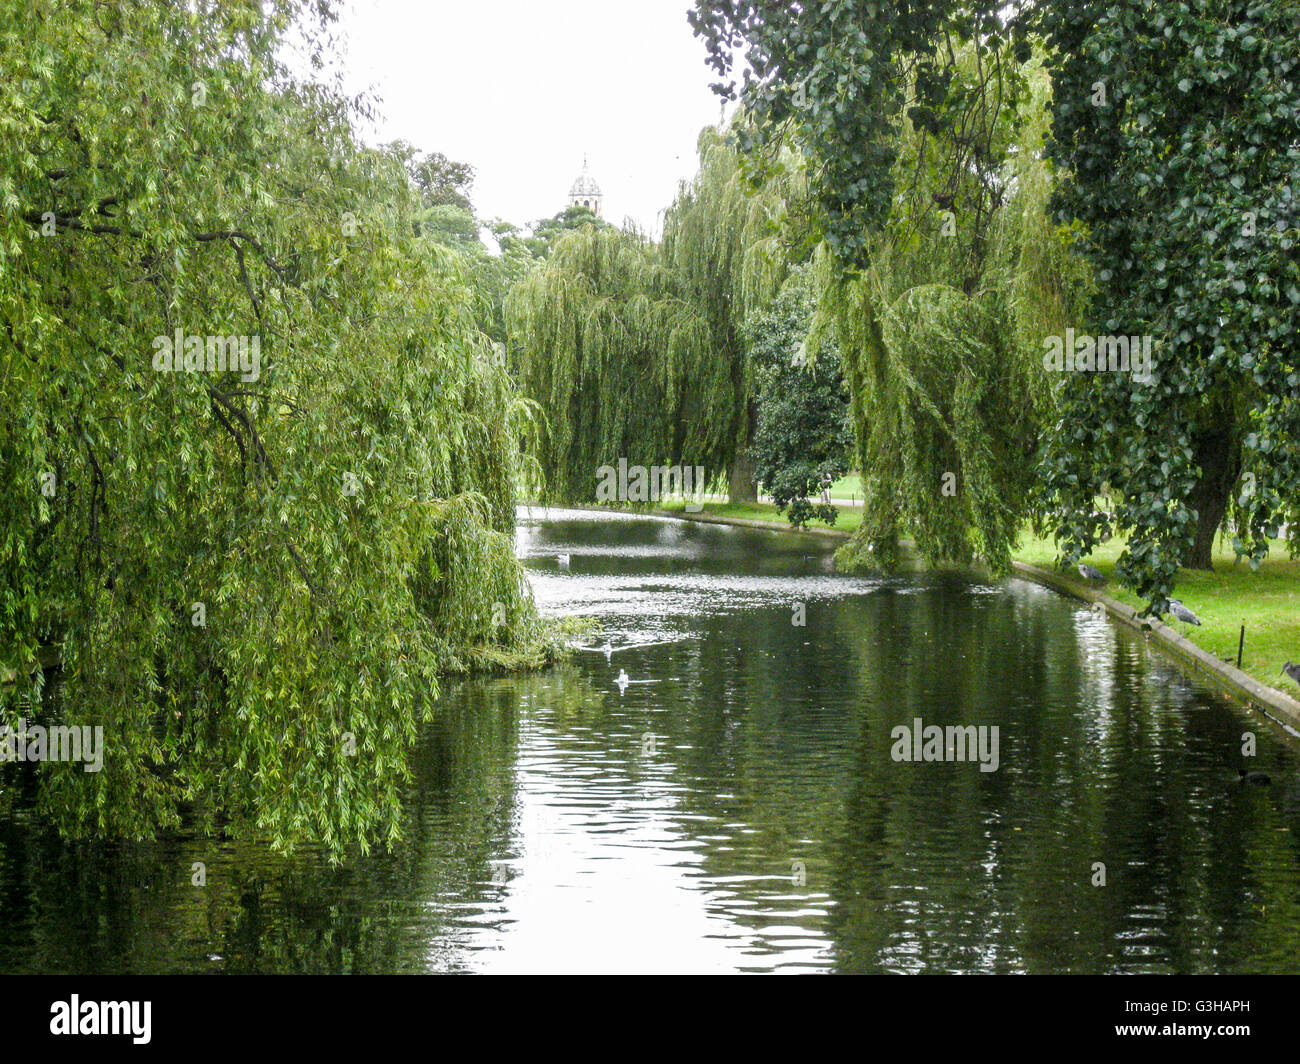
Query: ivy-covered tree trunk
(1218, 454)
(740, 480)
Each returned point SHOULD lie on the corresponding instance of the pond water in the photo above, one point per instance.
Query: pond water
(738, 803)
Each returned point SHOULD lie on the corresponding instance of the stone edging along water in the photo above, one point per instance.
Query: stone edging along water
(1229, 679)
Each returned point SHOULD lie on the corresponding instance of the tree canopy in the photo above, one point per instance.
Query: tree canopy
(940, 337)
(1178, 130)
(922, 132)
(634, 348)
(730, 237)
(542, 235)
(834, 79)
(803, 435)
(619, 362)
(1173, 143)
(254, 573)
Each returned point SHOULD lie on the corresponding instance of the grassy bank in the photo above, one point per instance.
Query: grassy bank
(1266, 601)
(848, 488)
(848, 521)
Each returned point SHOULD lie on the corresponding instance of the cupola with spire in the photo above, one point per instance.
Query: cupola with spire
(586, 193)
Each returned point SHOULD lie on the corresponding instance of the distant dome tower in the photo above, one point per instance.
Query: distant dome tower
(586, 193)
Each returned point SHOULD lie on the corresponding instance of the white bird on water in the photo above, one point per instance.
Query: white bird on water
(624, 681)
(563, 559)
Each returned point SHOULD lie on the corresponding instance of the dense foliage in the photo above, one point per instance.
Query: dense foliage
(254, 576)
(620, 363)
(940, 337)
(445, 216)
(837, 78)
(1174, 132)
(730, 242)
(1179, 126)
(803, 438)
(540, 237)
(633, 349)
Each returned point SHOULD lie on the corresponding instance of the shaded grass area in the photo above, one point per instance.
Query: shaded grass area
(1266, 601)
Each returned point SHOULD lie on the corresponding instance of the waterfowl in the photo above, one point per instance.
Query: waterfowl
(1183, 614)
(1261, 779)
(1093, 576)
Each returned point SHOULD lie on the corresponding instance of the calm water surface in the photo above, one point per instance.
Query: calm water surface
(734, 806)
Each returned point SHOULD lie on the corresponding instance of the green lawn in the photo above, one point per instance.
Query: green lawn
(848, 521)
(1267, 601)
(847, 488)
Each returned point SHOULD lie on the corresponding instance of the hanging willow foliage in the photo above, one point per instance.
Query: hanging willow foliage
(731, 243)
(941, 338)
(632, 349)
(620, 363)
(253, 580)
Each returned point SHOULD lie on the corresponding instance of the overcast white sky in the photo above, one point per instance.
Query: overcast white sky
(521, 89)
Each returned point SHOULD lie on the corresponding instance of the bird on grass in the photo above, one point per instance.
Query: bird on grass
(1292, 670)
(1259, 779)
(1093, 576)
(1183, 614)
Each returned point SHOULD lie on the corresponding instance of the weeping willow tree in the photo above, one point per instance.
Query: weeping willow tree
(634, 350)
(254, 574)
(731, 236)
(941, 334)
(620, 362)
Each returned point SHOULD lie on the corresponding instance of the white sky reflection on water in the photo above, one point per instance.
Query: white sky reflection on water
(605, 888)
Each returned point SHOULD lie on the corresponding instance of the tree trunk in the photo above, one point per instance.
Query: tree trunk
(740, 478)
(740, 474)
(1219, 455)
